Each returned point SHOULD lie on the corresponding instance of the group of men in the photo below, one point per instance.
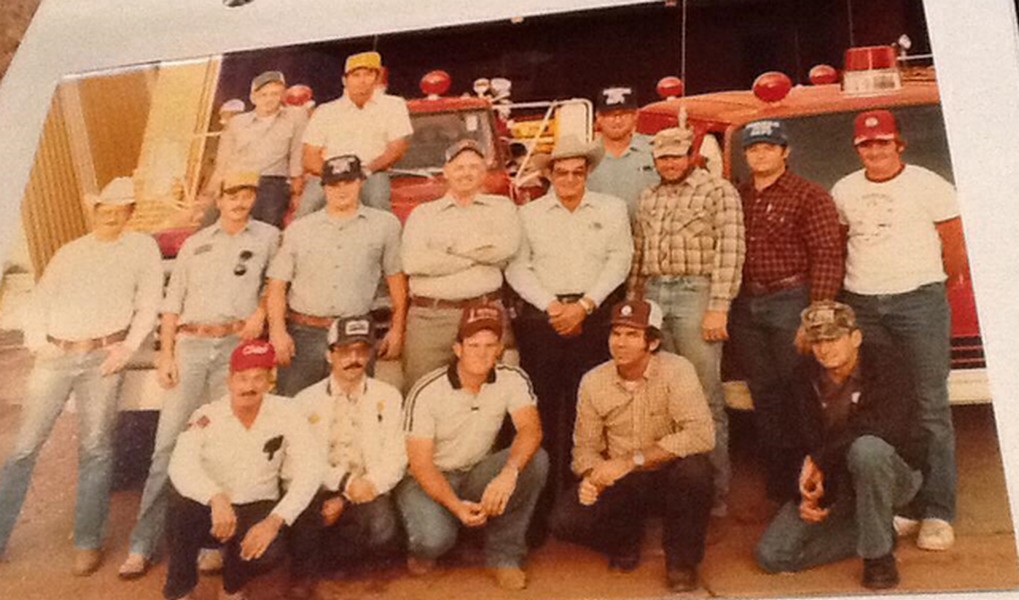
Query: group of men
(635, 249)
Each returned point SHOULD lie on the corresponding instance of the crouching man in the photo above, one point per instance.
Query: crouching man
(452, 418)
(357, 422)
(858, 405)
(225, 472)
(641, 439)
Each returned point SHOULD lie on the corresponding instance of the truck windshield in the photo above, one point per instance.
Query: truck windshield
(822, 149)
(435, 132)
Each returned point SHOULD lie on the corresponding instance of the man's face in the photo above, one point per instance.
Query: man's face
(268, 98)
(236, 206)
(628, 345)
(349, 361)
(569, 177)
(360, 83)
(108, 220)
(465, 174)
(839, 352)
(881, 158)
(617, 125)
(672, 168)
(765, 158)
(343, 195)
(247, 387)
(478, 354)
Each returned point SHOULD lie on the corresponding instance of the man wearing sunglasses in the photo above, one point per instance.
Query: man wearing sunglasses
(213, 301)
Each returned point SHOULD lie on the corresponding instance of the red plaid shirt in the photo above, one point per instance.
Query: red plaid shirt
(792, 228)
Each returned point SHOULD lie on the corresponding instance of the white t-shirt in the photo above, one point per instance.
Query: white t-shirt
(894, 246)
(340, 127)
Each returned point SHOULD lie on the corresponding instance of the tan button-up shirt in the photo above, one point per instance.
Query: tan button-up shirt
(265, 145)
(667, 408)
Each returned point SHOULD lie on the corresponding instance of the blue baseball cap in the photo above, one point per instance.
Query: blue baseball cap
(768, 130)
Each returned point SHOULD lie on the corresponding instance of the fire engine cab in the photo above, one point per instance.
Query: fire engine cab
(819, 121)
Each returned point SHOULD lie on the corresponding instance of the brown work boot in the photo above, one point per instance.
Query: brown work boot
(86, 561)
(420, 566)
(510, 578)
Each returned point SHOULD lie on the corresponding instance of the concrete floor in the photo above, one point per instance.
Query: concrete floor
(984, 558)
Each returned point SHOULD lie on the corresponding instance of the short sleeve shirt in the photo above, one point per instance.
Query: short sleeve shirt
(340, 127)
(627, 175)
(893, 244)
(463, 425)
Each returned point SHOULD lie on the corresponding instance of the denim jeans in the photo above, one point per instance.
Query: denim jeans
(919, 323)
(271, 200)
(309, 364)
(860, 521)
(374, 193)
(763, 331)
(684, 300)
(432, 530)
(54, 376)
(202, 366)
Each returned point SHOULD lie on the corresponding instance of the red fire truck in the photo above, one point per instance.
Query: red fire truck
(819, 119)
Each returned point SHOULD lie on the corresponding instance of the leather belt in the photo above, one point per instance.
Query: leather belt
(569, 298)
(88, 345)
(309, 320)
(427, 302)
(215, 330)
(759, 289)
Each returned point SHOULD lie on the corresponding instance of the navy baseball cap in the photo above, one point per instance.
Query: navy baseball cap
(345, 167)
(616, 98)
(768, 130)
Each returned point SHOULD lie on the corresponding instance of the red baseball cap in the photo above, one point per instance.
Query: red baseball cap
(875, 125)
(253, 354)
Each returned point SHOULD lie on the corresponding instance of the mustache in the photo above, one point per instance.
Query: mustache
(354, 365)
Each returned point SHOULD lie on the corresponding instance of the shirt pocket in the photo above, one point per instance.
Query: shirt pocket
(689, 224)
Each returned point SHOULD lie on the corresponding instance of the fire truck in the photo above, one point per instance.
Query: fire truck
(819, 119)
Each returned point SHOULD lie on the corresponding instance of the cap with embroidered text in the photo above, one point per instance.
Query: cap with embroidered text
(346, 167)
(478, 317)
(350, 330)
(875, 125)
(616, 98)
(253, 354)
(768, 131)
(640, 314)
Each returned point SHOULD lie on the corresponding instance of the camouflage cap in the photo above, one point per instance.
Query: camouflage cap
(674, 141)
(828, 320)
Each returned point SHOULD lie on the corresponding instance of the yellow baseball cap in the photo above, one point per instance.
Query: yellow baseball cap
(363, 60)
(239, 179)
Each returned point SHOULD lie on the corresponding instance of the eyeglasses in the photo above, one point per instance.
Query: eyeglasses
(563, 173)
(244, 257)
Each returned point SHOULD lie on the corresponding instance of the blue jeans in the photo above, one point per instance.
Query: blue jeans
(202, 365)
(271, 200)
(684, 300)
(860, 522)
(308, 366)
(919, 323)
(763, 331)
(53, 378)
(432, 530)
(374, 193)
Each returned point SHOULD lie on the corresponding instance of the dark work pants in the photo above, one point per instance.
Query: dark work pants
(763, 334)
(272, 200)
(682, 490)
(363, 531)
(188, 524)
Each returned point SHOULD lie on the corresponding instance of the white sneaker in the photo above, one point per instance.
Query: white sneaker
(210, 561)
(936, 535)
(904, 526)
(133, 567)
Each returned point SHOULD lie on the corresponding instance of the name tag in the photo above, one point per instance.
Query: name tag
(203, 249)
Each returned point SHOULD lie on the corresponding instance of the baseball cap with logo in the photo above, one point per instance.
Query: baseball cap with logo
(239, 180)
(363, 60)
(263, 79)
(827, 320)
(769, 131)
(346, 167)
(616, 98)
(464, 145)
(253, 354)
(673, 141)
(349, 330)
(875, 125)
(478, 317)
(640, 314)
(118, 192)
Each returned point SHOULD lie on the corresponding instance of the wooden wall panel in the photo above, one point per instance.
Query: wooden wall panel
(116, 109)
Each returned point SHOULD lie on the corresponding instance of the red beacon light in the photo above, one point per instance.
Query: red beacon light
(669, 87)
(435, 83)
(823, 75)
(297, 95)
(772, 86)
(871, 70)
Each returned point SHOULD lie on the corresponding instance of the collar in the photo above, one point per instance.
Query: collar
(447, 201)
(779, 184)
(216, 228)
(362, 392)
(585, 201)
(361, 213)
(650, 372)
(346, 102)
(454, 377)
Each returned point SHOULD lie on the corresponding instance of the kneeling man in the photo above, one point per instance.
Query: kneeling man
(225, 472)
(452, 418)
(641, 440)
(858, 405)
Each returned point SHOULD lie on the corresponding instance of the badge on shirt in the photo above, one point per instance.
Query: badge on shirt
(201, 423)
(597, 226)
(314, 418)
(203, 249)
(272, 446)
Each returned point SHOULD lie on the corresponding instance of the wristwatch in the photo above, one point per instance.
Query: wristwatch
(588, 304)
(638, 459)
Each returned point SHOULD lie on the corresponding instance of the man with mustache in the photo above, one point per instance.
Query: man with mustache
(96, 302)
(226, 471)
(212, 303)
(357, 422)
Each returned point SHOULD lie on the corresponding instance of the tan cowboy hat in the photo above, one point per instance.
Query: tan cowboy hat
(571, 147)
